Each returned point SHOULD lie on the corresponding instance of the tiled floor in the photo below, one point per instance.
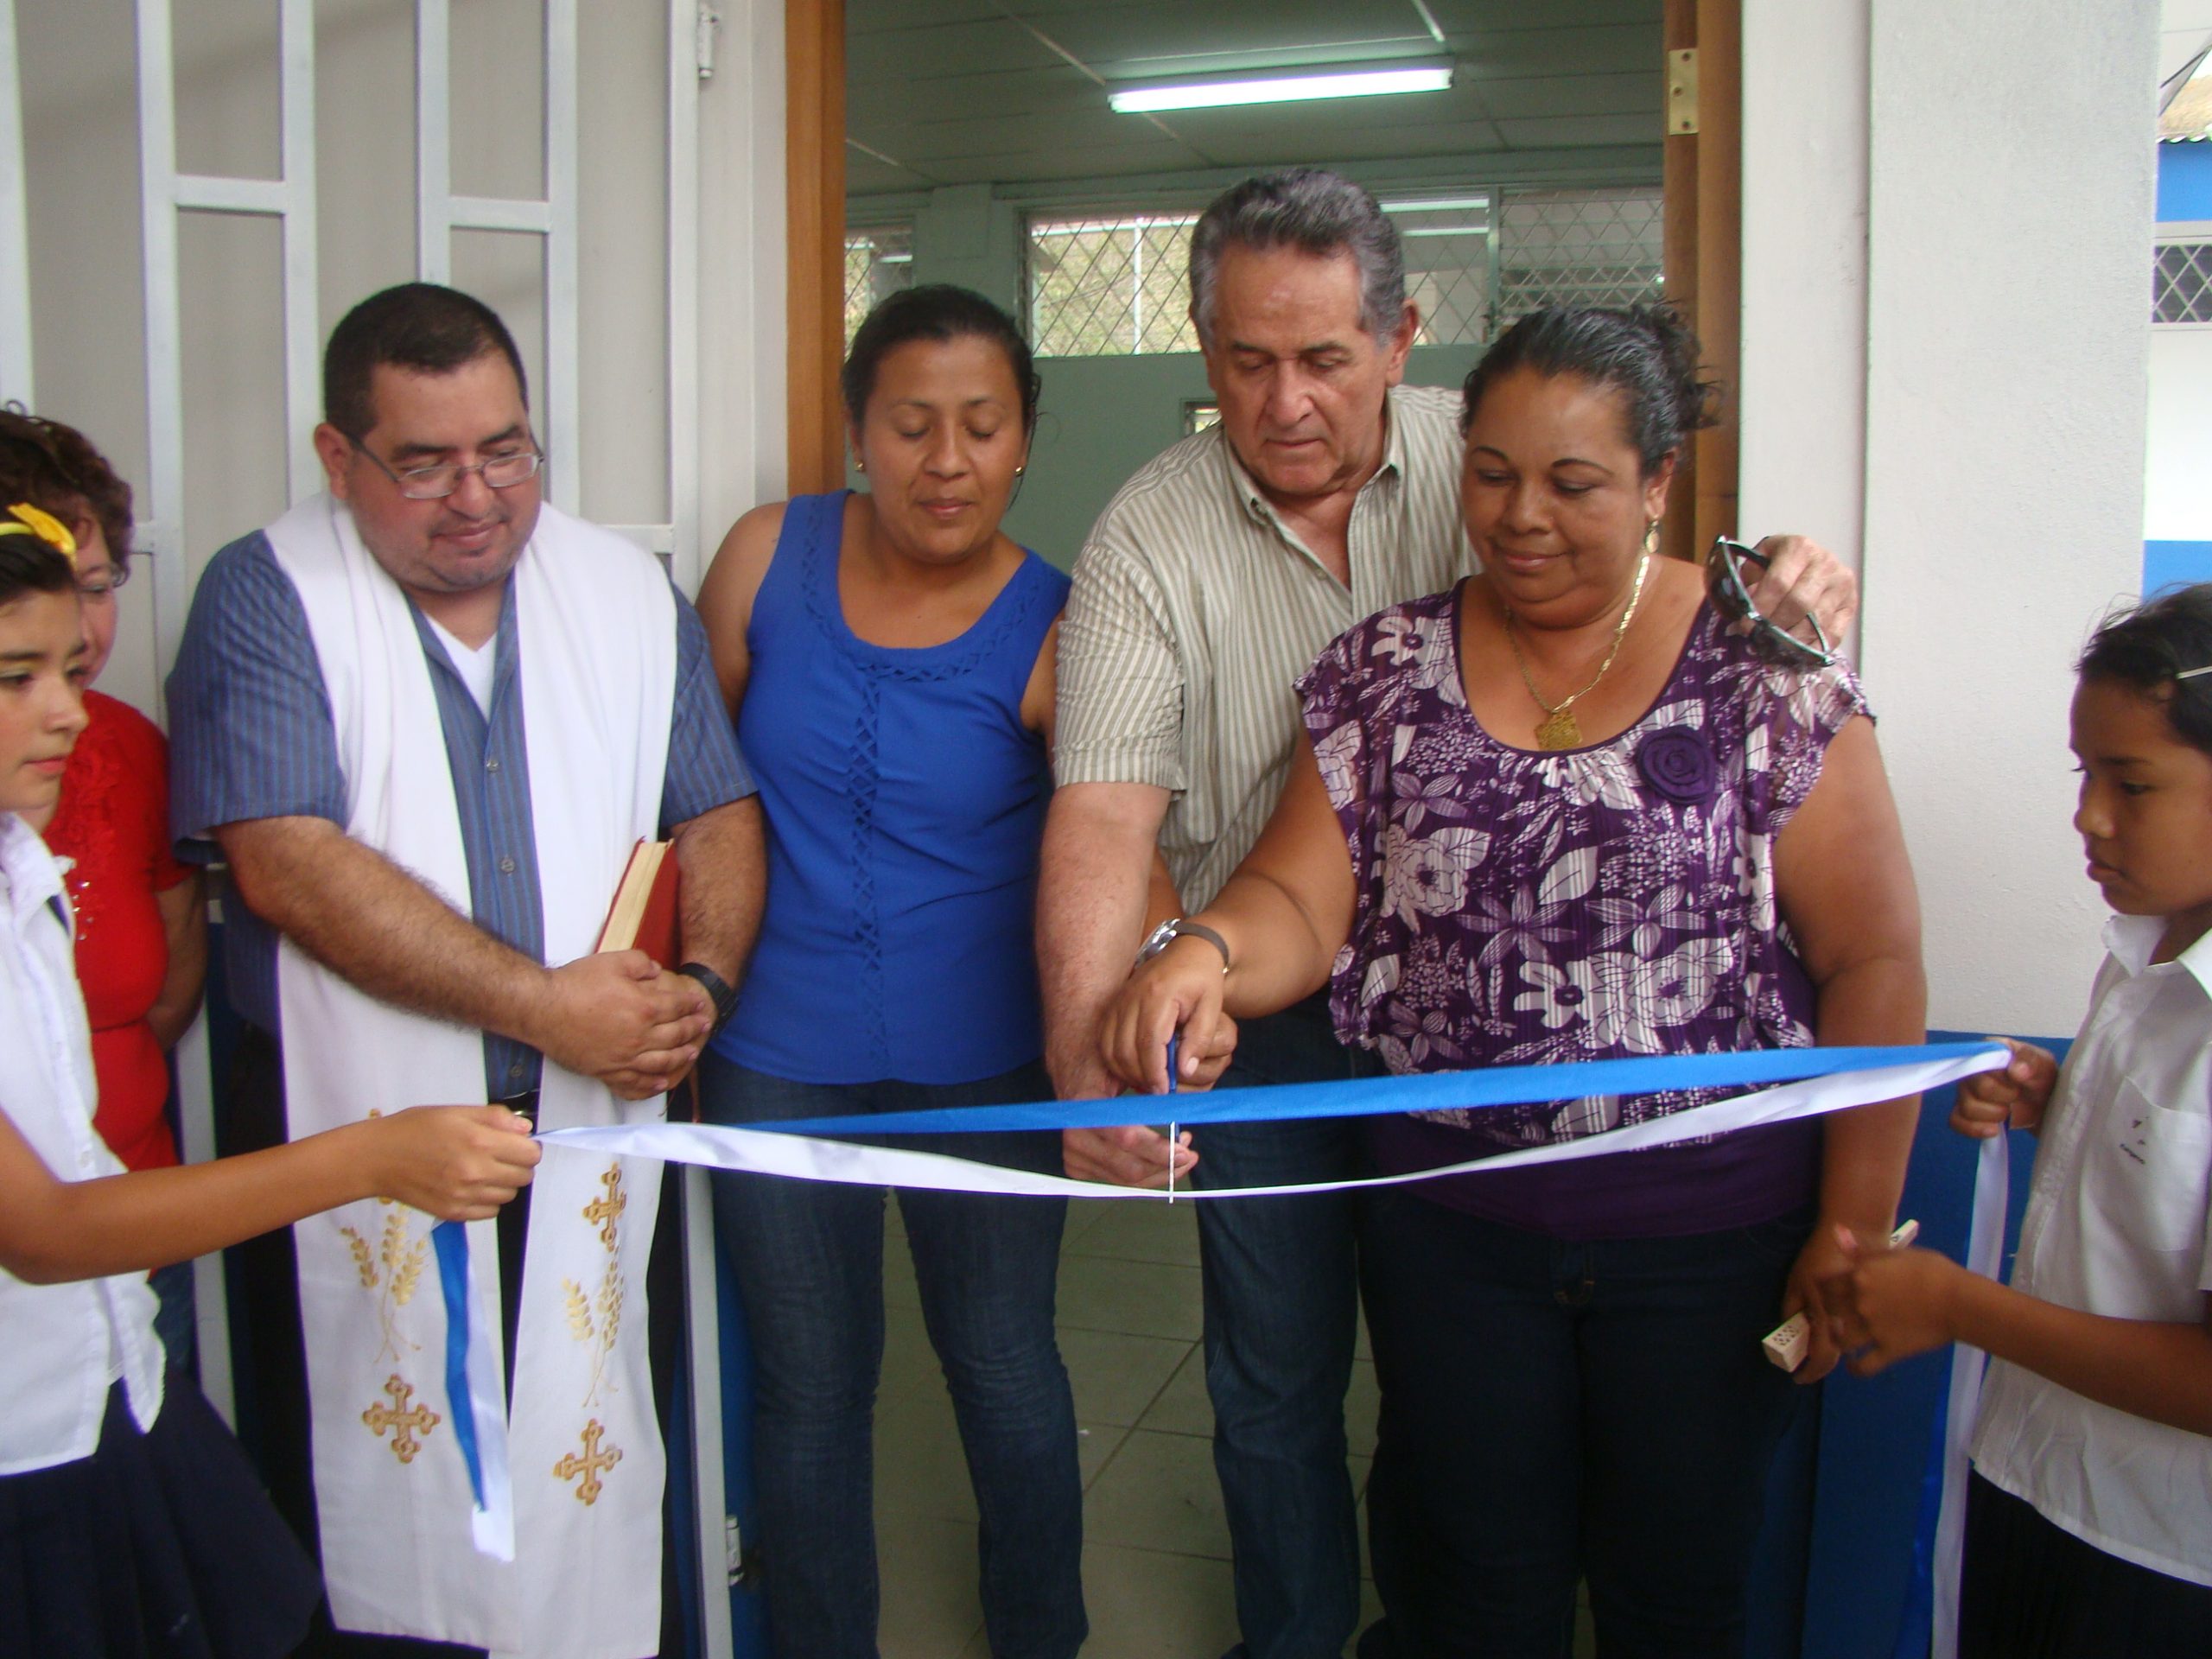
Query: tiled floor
(1155, 1560)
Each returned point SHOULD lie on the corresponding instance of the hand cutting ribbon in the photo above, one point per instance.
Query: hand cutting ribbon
(1803, 1082)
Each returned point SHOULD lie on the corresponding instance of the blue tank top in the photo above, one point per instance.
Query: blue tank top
(905, 802)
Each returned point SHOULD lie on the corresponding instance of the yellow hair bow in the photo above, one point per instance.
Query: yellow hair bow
(36, 521)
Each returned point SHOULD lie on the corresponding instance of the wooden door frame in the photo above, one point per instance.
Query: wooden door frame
(1703, 260)
(814, 217)
(1703, 182)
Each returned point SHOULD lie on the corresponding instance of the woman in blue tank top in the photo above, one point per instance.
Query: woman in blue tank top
(888, 660)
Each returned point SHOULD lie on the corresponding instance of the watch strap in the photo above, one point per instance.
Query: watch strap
(1167, 933)
(1200, 930)
(719, 991)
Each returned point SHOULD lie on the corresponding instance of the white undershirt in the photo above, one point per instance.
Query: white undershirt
(475, 666)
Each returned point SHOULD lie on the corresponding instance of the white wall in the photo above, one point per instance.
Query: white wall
(1984, 411)
(79, 91)
(2178, 483)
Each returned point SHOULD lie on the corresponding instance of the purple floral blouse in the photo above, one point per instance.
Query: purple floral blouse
(1518, 907)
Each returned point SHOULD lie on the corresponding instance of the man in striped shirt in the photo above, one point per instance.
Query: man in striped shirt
(1328, 492)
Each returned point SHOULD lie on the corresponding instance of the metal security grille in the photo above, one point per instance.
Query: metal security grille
(879, 262)
(1474, 262)
(2181, 283)
(1449, 266)
(1110, 286)
(1578, 247)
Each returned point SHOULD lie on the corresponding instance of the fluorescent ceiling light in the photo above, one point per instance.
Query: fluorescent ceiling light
(1281, 89)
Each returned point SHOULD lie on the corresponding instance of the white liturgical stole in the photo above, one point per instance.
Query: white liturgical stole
(405, 1552)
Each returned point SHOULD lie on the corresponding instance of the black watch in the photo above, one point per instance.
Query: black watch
(1181, 927)
(719, 991)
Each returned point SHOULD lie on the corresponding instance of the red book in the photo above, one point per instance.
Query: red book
(643, 915)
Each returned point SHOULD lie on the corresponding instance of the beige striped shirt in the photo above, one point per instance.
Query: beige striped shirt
(1196, 608)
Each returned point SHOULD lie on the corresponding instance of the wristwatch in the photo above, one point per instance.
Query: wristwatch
(719, 991)
(1161, 937)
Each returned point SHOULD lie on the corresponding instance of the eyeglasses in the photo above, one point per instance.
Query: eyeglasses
(435, 483)
(106, 582)
(1730, 586)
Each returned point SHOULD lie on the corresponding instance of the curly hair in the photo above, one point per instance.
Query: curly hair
(55, 468)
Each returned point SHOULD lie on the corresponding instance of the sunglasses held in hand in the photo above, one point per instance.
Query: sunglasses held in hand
(1731, 571)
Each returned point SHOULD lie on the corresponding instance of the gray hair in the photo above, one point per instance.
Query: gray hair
(1316, 212)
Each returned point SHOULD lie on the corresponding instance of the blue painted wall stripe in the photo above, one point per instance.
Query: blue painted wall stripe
(2184, 180)
(2165, 563)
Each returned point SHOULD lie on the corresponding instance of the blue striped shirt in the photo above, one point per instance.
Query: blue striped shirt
(251, 737)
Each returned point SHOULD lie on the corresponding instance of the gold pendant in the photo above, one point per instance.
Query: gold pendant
(1558, 730)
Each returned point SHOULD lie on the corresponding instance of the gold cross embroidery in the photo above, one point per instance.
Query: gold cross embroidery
(405, 1421)
(607, 1211)
(590, 1465)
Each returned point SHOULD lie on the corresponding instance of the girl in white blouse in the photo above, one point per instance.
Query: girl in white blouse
(2089, 1514)
(130, 1522)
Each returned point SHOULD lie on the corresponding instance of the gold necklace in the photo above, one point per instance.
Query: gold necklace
(1559, 729)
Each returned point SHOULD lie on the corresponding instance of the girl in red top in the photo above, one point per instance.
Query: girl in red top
(141, 923)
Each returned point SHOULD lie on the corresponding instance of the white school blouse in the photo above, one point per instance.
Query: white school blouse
(2116, 1224)
(61, 1346)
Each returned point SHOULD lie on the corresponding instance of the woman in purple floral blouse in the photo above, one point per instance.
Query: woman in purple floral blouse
(1563, 812)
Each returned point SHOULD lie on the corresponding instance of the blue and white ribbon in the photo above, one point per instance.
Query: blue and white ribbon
(1810, 1081)
(1802, 1082)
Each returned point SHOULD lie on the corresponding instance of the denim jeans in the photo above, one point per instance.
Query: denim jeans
(808, 1259)
(1282, 1317)
(1553, 1410)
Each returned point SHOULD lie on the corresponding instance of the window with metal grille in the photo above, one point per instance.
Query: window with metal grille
(1578, 247)
(879, 262)
(1447, 248)
(1115, 285)
(2181, 282)
(1110, 286)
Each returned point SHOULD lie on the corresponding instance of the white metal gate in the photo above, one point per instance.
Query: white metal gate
(290, 199)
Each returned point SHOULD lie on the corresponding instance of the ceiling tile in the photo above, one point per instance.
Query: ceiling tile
(960, 91)
(1098, 129)
(913, 56)
(1473, 138)
(1561, 95)
(1578, 132)
(867, 176)
(1612, 49)
(1460, 15)
(873, 15)
(1042, 163)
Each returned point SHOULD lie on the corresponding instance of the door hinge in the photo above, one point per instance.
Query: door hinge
(1681, 91)
(708, 20)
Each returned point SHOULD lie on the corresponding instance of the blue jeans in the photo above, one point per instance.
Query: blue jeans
(808, 1259)
(1553, 1410)
(1282, 1317)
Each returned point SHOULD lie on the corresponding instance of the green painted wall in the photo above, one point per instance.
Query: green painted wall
(1102, 417)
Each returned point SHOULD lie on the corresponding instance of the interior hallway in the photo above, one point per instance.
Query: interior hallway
(1155, 1559)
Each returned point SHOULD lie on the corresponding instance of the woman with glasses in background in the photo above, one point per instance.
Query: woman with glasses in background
(142, 925)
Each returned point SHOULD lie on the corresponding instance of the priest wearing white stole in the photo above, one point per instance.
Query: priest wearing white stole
(424, 869)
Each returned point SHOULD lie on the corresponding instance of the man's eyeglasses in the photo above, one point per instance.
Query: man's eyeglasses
(1730, 572)
(435, 483)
